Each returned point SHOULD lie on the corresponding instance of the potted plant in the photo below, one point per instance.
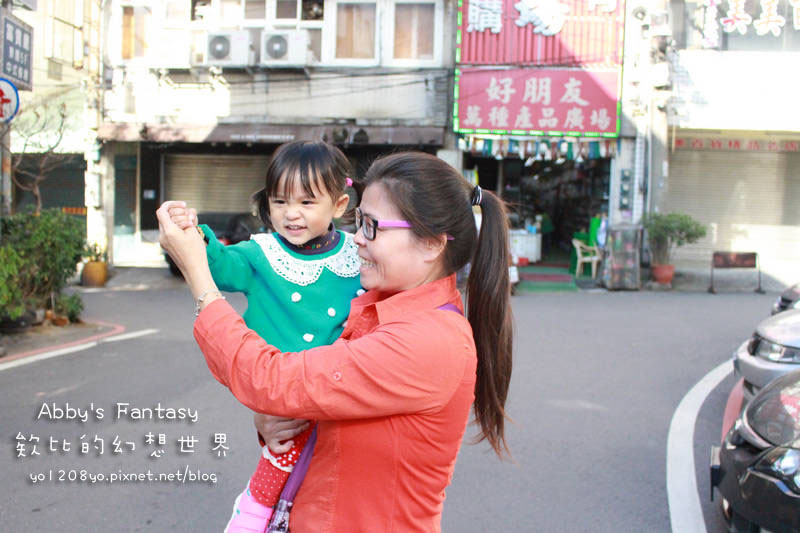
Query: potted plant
(95, 270)
(666, 232)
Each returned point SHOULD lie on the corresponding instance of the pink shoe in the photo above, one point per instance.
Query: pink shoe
(248, 516)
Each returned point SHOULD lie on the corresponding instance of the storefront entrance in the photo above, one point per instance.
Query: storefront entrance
(559, 198)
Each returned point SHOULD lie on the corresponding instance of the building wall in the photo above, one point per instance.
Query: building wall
(733, 90)
(191, 88)
(62, 73)
(372, 96)
(734, 87)
(161, 100)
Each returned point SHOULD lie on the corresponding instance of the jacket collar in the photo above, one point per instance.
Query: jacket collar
(390, 307)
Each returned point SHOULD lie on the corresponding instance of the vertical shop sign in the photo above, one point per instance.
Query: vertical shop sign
(536, 32)
(17, 51)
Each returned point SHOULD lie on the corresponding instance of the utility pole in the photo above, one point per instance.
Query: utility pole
(5, 170)
(16, 69)
(5, 154)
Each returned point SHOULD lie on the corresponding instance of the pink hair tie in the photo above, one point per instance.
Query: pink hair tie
(348, 182)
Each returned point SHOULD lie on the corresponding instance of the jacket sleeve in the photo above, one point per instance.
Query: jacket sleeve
(229, 265)
(396, 369)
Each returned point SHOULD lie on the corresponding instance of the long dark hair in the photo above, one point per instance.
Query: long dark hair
(436, 200)
(313, 163)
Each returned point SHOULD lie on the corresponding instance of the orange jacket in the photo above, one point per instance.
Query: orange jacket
(392, 397)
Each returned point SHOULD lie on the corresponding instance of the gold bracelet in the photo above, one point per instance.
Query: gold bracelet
(202, 297)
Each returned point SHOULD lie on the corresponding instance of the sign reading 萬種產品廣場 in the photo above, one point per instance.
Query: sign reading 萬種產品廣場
(528, 67)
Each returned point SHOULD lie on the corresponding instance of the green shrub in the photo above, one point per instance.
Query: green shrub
(665, 232)
(11, 303)
(70, 305)
(50, 246)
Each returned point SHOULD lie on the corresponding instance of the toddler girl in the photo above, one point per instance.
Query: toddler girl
(298, 281)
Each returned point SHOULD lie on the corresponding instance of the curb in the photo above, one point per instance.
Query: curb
(116, 330)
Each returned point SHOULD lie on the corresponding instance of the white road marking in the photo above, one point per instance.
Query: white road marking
(131, 335)
(73, 349)
(685, 513)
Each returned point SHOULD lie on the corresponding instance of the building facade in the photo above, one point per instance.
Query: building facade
(539, 113)
(53, 137)
(199, 93)
(730, 135)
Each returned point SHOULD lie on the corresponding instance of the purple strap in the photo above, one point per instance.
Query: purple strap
(450, 307)
(280, 516)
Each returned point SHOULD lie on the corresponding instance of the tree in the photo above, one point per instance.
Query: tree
(38, 130)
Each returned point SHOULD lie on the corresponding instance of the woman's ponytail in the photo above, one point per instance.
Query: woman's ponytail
(436, 200)
(489, 313)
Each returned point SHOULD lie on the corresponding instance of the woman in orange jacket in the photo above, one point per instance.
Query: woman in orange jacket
(392, 395)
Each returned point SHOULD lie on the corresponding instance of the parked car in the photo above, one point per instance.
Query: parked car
(229, 228)
(772, 351)
(756, 469)
(789, 299)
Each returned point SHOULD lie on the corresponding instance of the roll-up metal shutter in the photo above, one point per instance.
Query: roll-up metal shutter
(214, 183)
(748, 200)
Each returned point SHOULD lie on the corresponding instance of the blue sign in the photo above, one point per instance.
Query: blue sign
(17, 52)
(9, 100)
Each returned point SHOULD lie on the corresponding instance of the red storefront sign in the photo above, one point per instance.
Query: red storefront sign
(531, 32)
(736, 145)
(548, 101)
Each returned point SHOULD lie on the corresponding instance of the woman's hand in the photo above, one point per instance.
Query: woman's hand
(188, 249)
(275, 429)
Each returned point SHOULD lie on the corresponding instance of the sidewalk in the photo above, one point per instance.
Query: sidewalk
(138, 279)
(46, 337)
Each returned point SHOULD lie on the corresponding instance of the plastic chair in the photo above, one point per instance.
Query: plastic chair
(586, 254)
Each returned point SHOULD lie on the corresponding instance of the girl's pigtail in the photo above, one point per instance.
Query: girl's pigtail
(260, 202)
(349, 217)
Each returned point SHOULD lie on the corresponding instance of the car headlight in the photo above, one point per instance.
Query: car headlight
(773, 351)
(782, 463)
(796, 304)
(774, 414)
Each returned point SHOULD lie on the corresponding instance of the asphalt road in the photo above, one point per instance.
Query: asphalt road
(596, 380)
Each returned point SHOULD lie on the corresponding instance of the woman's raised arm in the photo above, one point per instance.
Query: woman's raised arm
(188, 250)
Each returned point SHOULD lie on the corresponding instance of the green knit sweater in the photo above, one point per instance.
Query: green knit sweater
(294, 301)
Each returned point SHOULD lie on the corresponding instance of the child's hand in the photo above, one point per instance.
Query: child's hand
(277, 431)
(182, 216)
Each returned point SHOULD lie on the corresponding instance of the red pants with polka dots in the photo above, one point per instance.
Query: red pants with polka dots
(268, 481)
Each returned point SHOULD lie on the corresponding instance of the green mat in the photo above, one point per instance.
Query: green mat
(538, 286)
(545, 285)
(534, 269)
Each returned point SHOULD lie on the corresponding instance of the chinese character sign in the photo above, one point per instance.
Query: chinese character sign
(538, 100)
(17, 52)
(541, 32)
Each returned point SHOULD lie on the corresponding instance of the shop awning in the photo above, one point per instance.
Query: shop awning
(538, 148)
(273, 133)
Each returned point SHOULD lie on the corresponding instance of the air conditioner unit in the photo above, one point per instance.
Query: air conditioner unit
(287, 47)
(229, 49)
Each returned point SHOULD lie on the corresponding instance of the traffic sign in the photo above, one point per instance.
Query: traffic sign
(9, 100)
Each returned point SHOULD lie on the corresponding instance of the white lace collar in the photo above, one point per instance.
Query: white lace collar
(343, 263)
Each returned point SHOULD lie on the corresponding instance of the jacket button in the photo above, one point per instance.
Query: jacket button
(337, 376)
